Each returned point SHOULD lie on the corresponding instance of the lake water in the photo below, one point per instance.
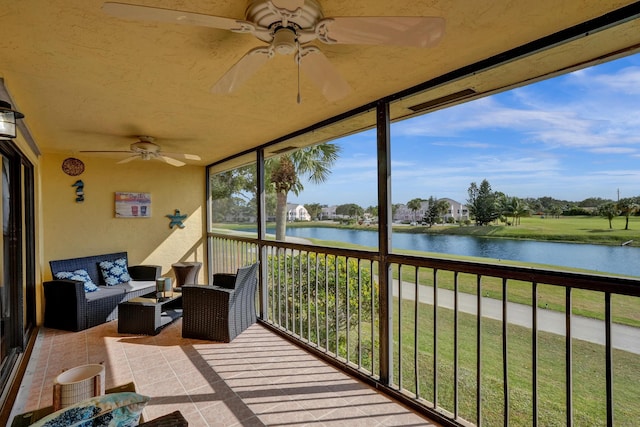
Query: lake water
(606, 259)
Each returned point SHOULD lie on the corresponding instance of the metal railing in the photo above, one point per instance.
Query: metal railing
(472, 343)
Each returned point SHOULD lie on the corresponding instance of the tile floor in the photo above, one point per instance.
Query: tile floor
(259, 379)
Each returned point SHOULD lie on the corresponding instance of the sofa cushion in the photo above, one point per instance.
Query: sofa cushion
(104, 292)
(80, 275)
(115, 272)
(135, 285)
(110, 410)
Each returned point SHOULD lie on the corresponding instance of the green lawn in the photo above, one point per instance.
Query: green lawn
(581, 229)
(588, 372)
(626, 310)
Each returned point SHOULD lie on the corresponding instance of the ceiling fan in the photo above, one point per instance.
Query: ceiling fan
(288, 27)
(146, 149)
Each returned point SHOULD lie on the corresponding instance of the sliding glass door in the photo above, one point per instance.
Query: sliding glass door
(17, 270)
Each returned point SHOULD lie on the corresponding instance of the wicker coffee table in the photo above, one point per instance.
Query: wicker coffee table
(147, 315)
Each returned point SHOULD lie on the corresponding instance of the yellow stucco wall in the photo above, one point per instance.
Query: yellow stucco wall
(71, 229)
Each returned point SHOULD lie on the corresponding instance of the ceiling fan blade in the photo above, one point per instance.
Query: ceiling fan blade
(242, 70)
(182, 155)
(315, 65)
(146, 13)
(411, 31)
(128, 159)
(171, 161)
(105, 151)
(291, 5)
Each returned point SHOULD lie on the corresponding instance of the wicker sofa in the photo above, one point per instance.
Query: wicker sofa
(220, 313)
(69, 307)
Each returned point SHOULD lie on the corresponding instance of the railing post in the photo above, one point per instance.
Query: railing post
(262, 271)
(384, 241)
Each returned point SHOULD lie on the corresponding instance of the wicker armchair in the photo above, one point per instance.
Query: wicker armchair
(217, 313)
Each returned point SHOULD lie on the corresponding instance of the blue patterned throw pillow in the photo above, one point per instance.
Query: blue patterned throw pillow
(115, 272)
(111, 410)
(80, 275)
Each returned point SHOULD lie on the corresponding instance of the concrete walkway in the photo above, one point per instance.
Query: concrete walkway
(624, 337)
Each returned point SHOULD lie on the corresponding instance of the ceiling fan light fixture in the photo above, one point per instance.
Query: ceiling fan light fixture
(284, 41)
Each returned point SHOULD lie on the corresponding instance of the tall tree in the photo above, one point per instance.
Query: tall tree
(287, 171)
(231, 191)
(519, 209)
(627, 207)
(482, 203)
(608, 210)
(555, 211)
(512, 206)
(314, 209)
(372, 210)
(414, 205)
(435, 210)
(351, 210)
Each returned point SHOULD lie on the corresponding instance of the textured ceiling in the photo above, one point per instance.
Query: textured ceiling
(90, 81)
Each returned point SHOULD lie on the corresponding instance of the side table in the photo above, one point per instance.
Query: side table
(186, 273)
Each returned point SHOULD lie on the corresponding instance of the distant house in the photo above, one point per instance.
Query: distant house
(297, 213)
(329, 212)
(457, 211)
(404, 214)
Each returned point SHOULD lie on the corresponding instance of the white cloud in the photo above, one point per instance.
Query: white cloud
(625, 81)
(533, 141)
(613, 150)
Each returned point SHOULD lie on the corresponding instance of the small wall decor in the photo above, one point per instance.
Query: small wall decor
(79, 190)
(72, 166)
(176, 219)
(133, 205)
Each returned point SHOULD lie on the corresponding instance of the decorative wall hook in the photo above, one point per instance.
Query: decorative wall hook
(79, 190)
(176, 219)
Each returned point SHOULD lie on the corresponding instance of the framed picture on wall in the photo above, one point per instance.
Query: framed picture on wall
(133, 205)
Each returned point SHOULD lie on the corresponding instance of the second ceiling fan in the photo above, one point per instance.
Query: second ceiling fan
(145, 148)
(288, 27)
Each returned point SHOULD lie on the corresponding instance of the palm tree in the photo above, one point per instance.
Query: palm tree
(286, 172)
(414, 205)
(517, 208)
(556, 211)
(609, 211)
(627, 207)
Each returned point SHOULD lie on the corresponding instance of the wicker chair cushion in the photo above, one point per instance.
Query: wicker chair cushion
(80, 275)
(115, 272)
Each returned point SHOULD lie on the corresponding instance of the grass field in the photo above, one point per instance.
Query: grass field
(580, 229)
(589, 405)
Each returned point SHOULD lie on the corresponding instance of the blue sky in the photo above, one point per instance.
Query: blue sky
(571, 137)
